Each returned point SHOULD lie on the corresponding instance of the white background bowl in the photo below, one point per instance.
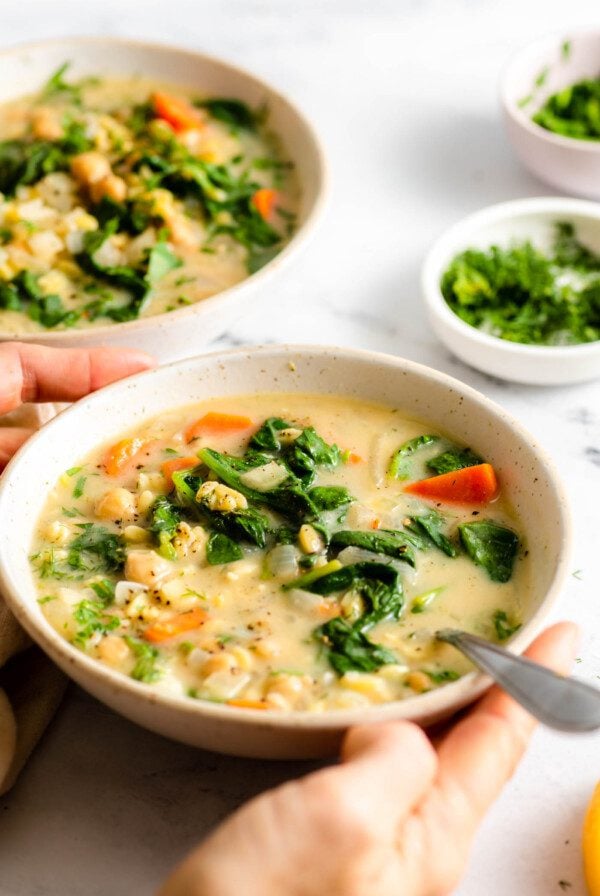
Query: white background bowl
(524, 219)
(527, 476)
(569, 164)
(180, 333)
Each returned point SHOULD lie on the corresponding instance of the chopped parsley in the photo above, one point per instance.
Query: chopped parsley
(522, 294)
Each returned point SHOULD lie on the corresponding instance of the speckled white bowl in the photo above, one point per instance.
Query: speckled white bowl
(181, 333)
(523, 219)
(564, 162)
(528, 478)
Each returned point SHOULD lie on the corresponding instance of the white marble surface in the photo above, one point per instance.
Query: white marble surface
(404, 93)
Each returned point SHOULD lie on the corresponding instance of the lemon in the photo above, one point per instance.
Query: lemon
(591, 844)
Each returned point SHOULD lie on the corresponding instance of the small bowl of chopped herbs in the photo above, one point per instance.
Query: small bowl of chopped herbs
(514, 290)
(550, 95)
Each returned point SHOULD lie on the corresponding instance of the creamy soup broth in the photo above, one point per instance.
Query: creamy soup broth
(240, 631)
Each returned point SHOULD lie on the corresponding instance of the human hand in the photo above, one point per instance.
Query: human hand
(37, 373)
(397, 816)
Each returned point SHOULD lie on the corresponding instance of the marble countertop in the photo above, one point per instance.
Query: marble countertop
(404, 93)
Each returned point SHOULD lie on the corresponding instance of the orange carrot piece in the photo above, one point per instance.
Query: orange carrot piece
(376, 523)
(176, 110)
(264, 202)
(247, 704)
(354, 459)
(120, 454)
(471, 485)
(176, 463)
(328, 611)
(175, 625)
(215, 424)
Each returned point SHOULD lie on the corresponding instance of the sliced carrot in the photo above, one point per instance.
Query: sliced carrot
(376, 523)
(177, 463)
(471, 485)
(175, 625)
(177, 111)
(264, 202)
(119, 455)
(215, 424)
(248, 704)
(328, 611)
(353, 459)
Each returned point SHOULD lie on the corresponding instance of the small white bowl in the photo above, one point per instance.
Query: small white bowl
(523, 219)
(181, 333)
(554, 62)
(528, 477)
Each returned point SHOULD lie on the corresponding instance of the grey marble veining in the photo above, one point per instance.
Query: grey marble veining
(404, 94)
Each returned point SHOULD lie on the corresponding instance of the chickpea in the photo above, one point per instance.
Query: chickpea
(221, 497)
(90, 167)
(111, 185)
(418, 681)
(147, 567)
(220, 662)
(113, 650)
(45, 124)
(118, 505)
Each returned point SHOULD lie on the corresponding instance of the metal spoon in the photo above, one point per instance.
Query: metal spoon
(566, 704)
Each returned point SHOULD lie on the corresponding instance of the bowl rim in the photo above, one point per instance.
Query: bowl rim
(518, 115)
(437, 258)
(451, 696)
(300, 237)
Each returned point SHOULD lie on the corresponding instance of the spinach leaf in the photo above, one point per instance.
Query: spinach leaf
(160, 261)
(23, 293)
(453, 459)
(504, 626)
(390, 542)
(492, 546)
(165, 517)
(96, 550)
(222, 549)
(265, 439)
(146, 658)
(309, 451)
(348, 648)
(431, 524)
(232, 112)
(329, 497)
(377, 583)
(400, 466)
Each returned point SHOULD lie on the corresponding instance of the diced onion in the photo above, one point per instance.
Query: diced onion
(265, 478)
(126, 591)
(353, 554)
(282, 561)
(305, 601)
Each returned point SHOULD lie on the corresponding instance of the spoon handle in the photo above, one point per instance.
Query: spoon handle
(566, 704)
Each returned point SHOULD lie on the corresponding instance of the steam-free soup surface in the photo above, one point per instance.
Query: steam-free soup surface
(123, 198)
(264, 552)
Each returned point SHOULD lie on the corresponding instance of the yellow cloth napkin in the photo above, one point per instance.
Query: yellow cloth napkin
(31, 686)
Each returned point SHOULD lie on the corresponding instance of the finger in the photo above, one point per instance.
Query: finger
(481, 752)
(375, 761)
(38, 373)
(11, 439)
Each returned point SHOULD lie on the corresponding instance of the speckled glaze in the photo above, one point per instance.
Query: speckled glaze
(178, 334)
(527, 475)
(503, 224)
(564, 162)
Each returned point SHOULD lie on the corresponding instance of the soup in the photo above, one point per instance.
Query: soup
(281, 552)
(127, 198)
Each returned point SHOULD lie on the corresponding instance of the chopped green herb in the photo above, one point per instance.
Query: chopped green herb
(79, 486)
(442, 676)
(524, 295)
(504, 626)
(453, 459)
(47, 599)
(422, 601)
(92, 620)
(573, 112)
(146, 660)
